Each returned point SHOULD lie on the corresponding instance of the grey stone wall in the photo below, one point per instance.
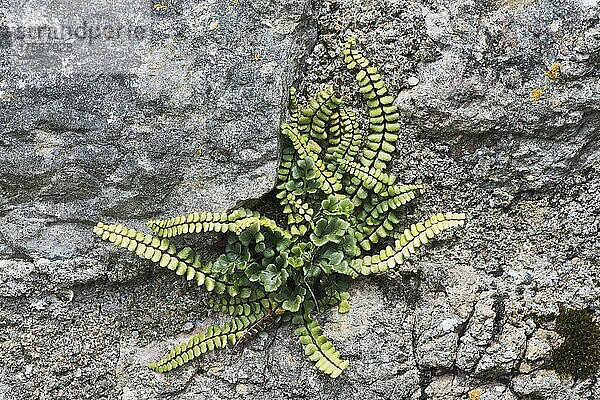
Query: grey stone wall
(157, 113)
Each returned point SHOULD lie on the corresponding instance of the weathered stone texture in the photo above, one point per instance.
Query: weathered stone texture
(473, 312)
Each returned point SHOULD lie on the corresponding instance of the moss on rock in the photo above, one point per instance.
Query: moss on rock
(579, 354)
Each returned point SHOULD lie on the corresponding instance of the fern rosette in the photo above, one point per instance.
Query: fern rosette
(340, 205)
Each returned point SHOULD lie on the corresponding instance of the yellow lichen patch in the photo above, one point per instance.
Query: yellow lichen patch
(235, 2)
(160, 6)
(554, 71)
(257, 57)
(536, 94)
(475, 394)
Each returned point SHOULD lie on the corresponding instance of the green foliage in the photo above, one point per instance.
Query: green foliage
(339, 203)
(579, 354)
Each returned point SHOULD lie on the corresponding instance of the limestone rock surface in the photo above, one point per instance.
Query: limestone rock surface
(184, 116)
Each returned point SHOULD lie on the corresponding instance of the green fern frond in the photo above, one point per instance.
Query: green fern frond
(345, 138)
(367, 179)
(370, 233)
(288, 156)
(407, 244)
(383, 114)
(183, 262)
(347, 141)
(380, 218)
(236, 306)
(215, 337)
(235, 222)
(314, 119)
(397, 190)
(334, 129)
(317, 347)
(394, 197)
(324, 176)
(299, 214)
(288, 159)
(196, 222)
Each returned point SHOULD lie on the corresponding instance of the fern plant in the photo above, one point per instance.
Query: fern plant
(340, 205)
